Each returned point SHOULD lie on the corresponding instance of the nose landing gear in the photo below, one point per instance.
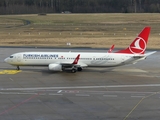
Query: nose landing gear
(18, 68)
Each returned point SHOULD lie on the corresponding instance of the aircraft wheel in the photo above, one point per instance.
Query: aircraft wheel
(73, 70)
(79, 69)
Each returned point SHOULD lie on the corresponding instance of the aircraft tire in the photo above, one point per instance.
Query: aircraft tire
(73, 70)
(79, 69)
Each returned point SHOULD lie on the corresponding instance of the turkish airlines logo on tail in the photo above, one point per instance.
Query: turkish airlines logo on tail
(138, 46)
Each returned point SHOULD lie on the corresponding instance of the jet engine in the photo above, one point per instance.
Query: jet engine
(55, 67)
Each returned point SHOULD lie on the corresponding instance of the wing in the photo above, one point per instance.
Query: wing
(75, 63)
(74, 66)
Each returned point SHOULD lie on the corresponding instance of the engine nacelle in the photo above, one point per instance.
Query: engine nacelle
(55, 67)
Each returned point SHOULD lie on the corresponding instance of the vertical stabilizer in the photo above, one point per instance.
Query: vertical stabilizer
(138, 46)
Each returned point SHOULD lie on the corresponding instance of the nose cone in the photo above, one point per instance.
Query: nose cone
(6, 60)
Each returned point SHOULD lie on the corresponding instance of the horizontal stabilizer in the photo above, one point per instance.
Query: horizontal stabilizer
(150, 53)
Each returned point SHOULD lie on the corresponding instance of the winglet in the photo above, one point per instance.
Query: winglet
(110, 50)
(138, 46)
(76, 59)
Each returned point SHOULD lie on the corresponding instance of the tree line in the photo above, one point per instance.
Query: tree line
(79, 6)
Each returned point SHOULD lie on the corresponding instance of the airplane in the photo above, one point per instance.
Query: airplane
(76, 61)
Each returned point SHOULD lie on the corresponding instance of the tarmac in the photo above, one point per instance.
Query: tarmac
(128, 92)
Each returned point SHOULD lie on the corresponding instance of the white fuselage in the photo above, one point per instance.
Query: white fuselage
(88, 59)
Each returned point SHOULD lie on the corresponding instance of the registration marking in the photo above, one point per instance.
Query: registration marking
(9, 71)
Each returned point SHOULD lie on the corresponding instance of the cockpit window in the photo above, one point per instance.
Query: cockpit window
(11, 56)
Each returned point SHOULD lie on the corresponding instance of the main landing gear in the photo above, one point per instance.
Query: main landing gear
(74, 70)
(18, 68)
(79, 69)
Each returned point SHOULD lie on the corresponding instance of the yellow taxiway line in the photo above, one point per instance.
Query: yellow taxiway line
(9, 71)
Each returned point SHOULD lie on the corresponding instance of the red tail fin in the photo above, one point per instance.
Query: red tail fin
(138, 46)
(76, 59)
